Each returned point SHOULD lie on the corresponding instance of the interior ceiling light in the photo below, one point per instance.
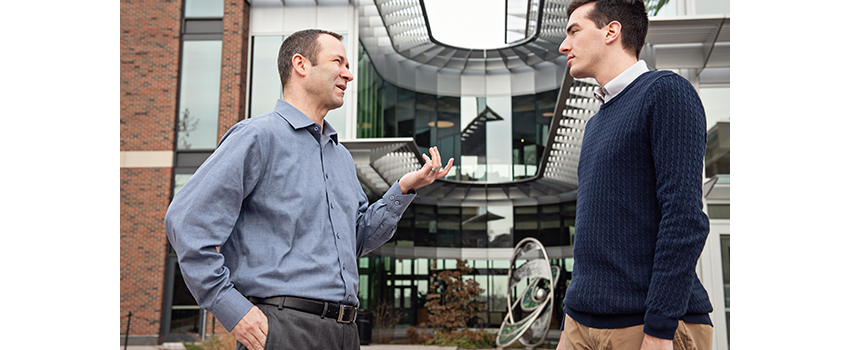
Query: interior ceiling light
(442, 124)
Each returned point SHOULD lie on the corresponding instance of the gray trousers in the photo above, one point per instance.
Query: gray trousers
(292, 329)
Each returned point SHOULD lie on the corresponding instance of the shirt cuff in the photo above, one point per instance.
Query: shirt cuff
(231, 308)
(397, 201)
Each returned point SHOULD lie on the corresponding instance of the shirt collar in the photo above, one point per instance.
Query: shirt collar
(298, 120)
(615, 86)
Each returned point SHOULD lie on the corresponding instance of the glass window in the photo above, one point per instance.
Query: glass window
(525, 219)
(499, 154)
(550, 225)
(185, 312)
(265, 79)
(404, 230)
(474, 224)
(180, 180)
(524, 137)
(405, 111)
(204, 8)
(716, 103)
(425, 118)
(448, 129)
(718, 211)
(199, 95)
(724, 256)
(426, 226)
(712, 7)
(448, 227)
(500, 226)
(660, 8)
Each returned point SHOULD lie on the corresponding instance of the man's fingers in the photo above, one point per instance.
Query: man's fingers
(252, 329)
(435, 154)
(445, 171)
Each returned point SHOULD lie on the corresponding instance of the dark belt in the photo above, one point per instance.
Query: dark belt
(342, 313)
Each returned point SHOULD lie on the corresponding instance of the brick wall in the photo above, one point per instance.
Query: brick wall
(234, 64)
(144, 200)
(150, 61)
(150, 45)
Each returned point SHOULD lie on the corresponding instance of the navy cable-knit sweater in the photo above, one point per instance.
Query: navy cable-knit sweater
(640, 228)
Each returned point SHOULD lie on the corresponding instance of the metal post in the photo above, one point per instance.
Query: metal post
(127, 334)
(203, 324)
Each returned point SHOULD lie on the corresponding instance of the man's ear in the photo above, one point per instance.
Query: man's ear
(614, 29)
(300, 64)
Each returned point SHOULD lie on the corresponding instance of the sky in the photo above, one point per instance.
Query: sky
(467, 23)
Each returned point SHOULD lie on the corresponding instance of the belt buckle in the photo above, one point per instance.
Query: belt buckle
(342, 313)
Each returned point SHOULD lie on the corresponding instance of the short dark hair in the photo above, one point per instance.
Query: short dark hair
(304, 42)
(630, 13)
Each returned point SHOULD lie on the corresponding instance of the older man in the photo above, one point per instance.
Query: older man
(281, 199)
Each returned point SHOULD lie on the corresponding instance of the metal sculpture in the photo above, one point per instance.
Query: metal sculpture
(535, 300)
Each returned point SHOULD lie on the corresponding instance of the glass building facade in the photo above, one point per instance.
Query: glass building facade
(493, 139)
(473, 131)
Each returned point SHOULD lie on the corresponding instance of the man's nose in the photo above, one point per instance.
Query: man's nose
(346, 74)
(565, 47)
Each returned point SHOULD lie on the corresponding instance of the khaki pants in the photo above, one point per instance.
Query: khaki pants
(689, 336)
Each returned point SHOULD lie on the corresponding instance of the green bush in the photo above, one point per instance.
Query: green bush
(464, 339)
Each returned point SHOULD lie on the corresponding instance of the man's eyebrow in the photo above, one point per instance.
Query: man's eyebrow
(570, 26)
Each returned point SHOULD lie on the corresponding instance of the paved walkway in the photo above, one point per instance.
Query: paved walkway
(179, 346)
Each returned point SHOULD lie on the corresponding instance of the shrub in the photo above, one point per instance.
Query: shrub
(451, 299)
(414, 337)
(464, 339)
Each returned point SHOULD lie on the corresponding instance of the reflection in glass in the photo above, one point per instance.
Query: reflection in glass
(475, 226)
(712, 7)
(199, 95)
(447, 127)
(499, 230)
(660, 8)
(204, 8)
(525, 223)
(472, 130)
(265, 79)
(426, 226)
(180, 180)
(718, 211)
(716, 101)
(524, 137)
(405, 100)
(550, 225)
(425, 118)
(185, 312)
(499, 155)
(448, 227)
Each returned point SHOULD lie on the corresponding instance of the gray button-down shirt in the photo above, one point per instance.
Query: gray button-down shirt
(282, 200)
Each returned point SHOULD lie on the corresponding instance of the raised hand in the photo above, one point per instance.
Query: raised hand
(431, 171)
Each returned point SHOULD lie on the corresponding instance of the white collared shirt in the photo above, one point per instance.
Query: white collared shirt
(615, 86)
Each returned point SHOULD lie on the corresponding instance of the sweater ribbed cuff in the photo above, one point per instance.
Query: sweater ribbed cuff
(660, 326)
